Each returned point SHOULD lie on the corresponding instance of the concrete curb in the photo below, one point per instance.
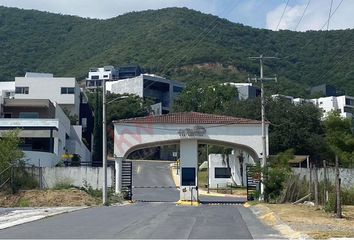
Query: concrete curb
(270, 218)
(21, 216)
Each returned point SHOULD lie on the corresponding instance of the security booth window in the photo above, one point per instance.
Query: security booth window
(222, 172)
(188, 177)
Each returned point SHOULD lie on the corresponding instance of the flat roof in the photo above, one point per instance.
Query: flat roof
(28, 103)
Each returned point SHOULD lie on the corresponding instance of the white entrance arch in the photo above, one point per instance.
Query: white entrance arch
(187, 129)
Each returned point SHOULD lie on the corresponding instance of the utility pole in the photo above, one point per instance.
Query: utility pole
(104, 145)
(262, 79)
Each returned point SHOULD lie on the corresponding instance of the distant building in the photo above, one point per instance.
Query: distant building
(110, 73)
(325, 90)
(158, 89)
(342, 104)
(245, 90)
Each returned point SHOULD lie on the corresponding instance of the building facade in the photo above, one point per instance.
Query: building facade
(35, 105)
(160, 90)
(110, 73)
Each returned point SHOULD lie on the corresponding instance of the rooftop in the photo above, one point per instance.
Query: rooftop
(189, 118)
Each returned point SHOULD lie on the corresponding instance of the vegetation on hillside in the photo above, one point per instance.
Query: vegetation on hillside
(175, 42)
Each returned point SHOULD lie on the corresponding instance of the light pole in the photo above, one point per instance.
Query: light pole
(104, 139)
(262, 79)
(104, 145)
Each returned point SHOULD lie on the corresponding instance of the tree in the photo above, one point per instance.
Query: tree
(97, 129)
(10, 154)
(122, 107)
(340, 139)
(205, 98)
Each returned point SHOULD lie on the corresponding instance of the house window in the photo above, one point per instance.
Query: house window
(95, 77)
(67, 90)
(22, 90)
(7, 115)
(105, 76)
(29, 115)
(222, 172)
(177, 89)
(349, 110)
(349, 102)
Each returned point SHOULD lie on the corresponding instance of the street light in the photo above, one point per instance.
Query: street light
(104, 136)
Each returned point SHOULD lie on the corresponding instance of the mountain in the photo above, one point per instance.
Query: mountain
(175, 42)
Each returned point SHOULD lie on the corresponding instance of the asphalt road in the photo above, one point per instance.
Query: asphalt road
(152, 181)
(157, 217)
(147, 220)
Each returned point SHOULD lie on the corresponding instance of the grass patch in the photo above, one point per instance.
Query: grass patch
(23, 203)
(63, 184)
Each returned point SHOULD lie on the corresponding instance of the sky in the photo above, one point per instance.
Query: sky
(299, 15)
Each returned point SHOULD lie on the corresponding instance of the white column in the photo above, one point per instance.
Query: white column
(118, 168)
(189, 159)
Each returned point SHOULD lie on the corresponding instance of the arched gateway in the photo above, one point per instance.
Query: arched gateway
(187, 129)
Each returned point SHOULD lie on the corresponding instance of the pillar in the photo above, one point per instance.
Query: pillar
(118, 172)
(189, 170)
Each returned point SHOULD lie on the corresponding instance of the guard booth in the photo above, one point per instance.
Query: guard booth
(188, 129)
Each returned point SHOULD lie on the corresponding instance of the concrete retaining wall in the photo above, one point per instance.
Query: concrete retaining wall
(76, 176)
(346, 174)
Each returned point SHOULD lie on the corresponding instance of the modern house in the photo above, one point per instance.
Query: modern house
(64, 91)
(245, 90)
(161, 90)
(35, 105)
(110, 73)
(325, 90)
(342, 104)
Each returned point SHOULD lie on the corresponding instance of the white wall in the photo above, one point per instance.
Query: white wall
(346, 174)
(76, 176)
(130, 86)
(246, 135)
(50, 88)
(189, 159)
(216, 160)
(40, 159)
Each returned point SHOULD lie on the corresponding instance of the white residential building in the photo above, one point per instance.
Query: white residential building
(62, 90)
(158, 89)
(342, 104)
(34, 104)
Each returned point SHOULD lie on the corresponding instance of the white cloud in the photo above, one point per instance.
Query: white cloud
(315, 17)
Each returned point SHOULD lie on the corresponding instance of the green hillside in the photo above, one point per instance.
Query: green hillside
(175, 42)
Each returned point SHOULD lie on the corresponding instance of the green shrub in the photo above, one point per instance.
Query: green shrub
(63, 184)
(23, 203)
(348, 196)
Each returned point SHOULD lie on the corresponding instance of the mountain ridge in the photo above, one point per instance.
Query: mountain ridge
(176, 43)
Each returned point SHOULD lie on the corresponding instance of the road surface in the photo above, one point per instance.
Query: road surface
(157, 217)
(150, 174)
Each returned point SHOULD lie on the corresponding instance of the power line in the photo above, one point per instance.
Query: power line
(282, 15)
(303, 14)
(329, 15)
(198, 39)
(312, 39)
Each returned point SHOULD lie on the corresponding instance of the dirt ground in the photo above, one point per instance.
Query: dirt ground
(314, 222)
(47, 198)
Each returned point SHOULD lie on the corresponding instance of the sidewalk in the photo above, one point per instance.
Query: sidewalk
(16, 216)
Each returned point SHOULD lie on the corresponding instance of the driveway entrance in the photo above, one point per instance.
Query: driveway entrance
(188, 130)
